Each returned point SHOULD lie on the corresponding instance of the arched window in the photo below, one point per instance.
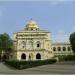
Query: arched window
(64, 48)
(30, 45)
(38, 44)
(68, 48)
(23, 56)
(38, 56)
(23, 44)
(54, 48)
(59, 48)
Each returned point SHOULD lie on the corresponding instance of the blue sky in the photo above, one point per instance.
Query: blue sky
(58, 17)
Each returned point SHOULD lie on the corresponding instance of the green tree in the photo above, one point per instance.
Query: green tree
(6, 43)
(72, 41)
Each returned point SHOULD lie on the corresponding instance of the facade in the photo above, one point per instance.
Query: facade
(62, 49)
(32, 43)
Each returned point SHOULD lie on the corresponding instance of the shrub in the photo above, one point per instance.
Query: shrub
(66, 57)
(29, 64)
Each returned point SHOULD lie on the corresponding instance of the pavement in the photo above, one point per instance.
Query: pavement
(57, 68)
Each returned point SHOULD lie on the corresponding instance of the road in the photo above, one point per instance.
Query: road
(58, 68)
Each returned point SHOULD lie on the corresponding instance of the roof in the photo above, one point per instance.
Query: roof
(27, 31)
(61, 43)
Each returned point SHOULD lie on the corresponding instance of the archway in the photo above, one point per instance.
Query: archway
(54, 48)
(38, 56)
(68, 48)
(64, 48)
(59, 48)
(23, 56)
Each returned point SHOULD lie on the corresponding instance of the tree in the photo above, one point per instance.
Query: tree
(72, 41)
(6, 43)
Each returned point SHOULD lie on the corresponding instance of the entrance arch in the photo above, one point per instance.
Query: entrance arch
(38, 56)
(23, 56)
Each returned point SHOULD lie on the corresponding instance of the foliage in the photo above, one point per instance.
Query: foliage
(29, 64)
(5, 42)
(66, 57)
(6, 45)
(72, 41)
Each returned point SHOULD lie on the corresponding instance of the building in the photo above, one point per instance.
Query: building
(32, 43)
(61, 49)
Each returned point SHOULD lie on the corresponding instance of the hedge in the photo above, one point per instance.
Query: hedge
(29, 64)
(66, 57)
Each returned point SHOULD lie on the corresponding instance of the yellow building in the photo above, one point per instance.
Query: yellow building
(32, 43)
(62, 49)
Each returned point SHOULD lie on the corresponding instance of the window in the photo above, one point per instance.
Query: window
(69, 48)
(54, 48)
(64, 48)
(38, 44)
(31, 28)
(23, 44)
(59, 48)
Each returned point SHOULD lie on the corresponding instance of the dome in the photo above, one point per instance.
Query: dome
(32, 24)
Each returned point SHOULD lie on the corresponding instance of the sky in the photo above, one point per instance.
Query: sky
(56, 16)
